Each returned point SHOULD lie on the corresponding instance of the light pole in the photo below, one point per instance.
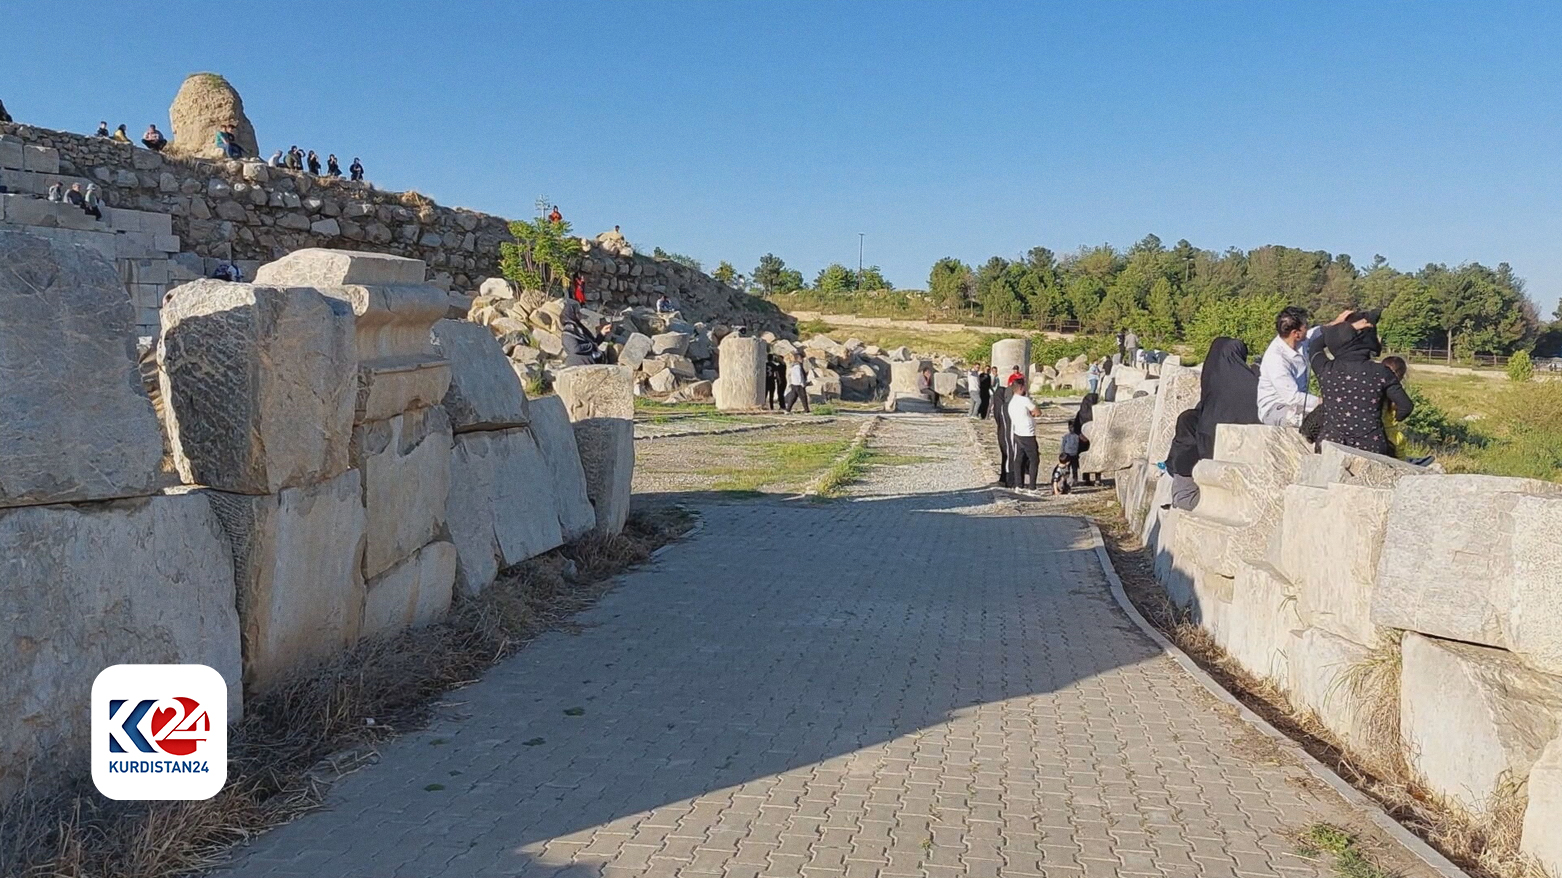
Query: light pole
(859, 254)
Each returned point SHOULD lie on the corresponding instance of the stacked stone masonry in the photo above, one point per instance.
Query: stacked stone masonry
(338, 458)
(1313, 569)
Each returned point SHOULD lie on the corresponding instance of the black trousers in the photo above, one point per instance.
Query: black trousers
(1025, 463)
(1073, 468)
(771, 393)
(1003, 452)
(794, 393)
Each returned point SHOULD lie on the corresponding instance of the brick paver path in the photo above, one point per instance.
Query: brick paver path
(905, 683)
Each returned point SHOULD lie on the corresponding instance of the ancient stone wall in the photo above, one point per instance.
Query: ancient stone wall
(1415, 613)
(339, 458)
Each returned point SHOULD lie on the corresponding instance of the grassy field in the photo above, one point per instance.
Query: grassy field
(1475, 424)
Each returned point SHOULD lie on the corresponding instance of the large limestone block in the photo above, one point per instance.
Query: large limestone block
(1335, 463)
(484, 393)
(596, 391)
(259, 385)
(1118, 435)
(670, 343)
(740, 385)
(502, 507)
(140, 581)
(550, 426)
(946, 383)
(635, 349)
(74, 421)
(1241, 495)
(1542, 837)
(1471, 715)
(1329, 543)
(1009, 353)
(297, 572)
(1177, 391)
(607, 456)
(1323, 671)
(1448, 562)
(413, 593)
(391, 385)
(205, 105)
(319, 267)
(392, 321)
(1263, 617)
(405, 461)
(904, 377)
(1535, 612)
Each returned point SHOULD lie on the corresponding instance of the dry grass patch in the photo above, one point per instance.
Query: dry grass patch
(298, 735)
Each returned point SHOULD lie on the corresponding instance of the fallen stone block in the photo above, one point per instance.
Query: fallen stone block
(550, 426)
(944, 383)
(1118, 434)
(242, 367)
(1329, 543)
(484, 393)
(297, 562)
(502, 509)
(1340, 464)
(905, 377)
(1543, 815)
(74, 421)
(634, 351)
(405, 465)
(740, 385)
(1448, 560)
(670, 343)
(319, 267)
(1534, 623)
(607, 456)
(1472, 717)
(596, 392)
(140, 581)
(413, 593)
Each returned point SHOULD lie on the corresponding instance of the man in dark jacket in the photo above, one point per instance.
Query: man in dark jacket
(999, 404)
(984, 386)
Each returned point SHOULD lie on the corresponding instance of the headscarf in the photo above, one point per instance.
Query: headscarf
(1228, 391)
(1086, 412)
(1352, 345)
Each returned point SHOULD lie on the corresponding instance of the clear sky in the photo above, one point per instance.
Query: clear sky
(1424, 131)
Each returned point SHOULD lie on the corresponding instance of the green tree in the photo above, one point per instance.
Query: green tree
(835, 278)
(1001, 302)
(1250, 318)
(543, 256)
(770, 274)
(1158, 323)
(1521, 367)
(685, 261)
(726, 274)
(871, 279)
(1410, 320)
(950, 283)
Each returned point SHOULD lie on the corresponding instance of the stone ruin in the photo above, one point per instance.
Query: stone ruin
(205, 105)
(1308, 568)
(341, 460)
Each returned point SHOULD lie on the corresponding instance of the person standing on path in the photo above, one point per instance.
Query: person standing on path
(797, 384)
(985, 387)
(999, 403)
(1025, 460)
(973, 383)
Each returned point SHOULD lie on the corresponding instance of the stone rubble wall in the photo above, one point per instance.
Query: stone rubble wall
(174, 218)
(1312, 569)
(334, 460)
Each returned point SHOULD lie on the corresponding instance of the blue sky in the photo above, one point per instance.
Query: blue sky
(1424, 131)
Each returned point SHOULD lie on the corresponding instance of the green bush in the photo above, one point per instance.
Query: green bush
(1435, 427)
(1520, 367)
(1047, 351)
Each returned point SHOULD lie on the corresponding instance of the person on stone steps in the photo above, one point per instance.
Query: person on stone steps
(314, 163)
(582, 347)
(355, 170)
(295, 158)
(999, 405)
(797, 384)
(332, 167)
(973, 385)
(276, 160)
(92, 202)
(1025, 459)
(153, 139)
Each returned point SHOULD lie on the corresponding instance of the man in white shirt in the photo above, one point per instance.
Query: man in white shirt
(1283, 398)
(796, 384)
(1024, 459)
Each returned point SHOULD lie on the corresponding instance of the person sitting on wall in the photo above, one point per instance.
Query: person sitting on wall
(1283, 398)
(555, 216)
(332, 168)
(92, 202)
(121, 135)
(102, 129)
(355, 170)
(276, 160)
(295, 158)
(227, 271)
(314, 163)
(1356, 387)
(153, 139)
(4, 116)
(664, 305)
(228, 142)
(925, 386)
(56, 192)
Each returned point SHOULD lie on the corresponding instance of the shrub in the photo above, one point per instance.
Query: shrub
(1520, 367)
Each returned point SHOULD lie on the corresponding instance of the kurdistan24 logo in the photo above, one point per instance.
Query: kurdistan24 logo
(159, 732)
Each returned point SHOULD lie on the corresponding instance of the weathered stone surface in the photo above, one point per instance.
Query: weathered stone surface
(297, 572)
(1329, 543)
(636, 348)
(1263, 617)
(607, 456)
(405, 462)
(741, 384)
(139, 581)
(596, 391)
(1543, 816)
(1470, 715)
(1534, 624)
(1321, 668)
(413, 593)
(320, 267)
(1340, 464)
(904, 377)
(74, 421)
(663, 381)
(669, 343)
(1177, 392)
(206, 104)
(392, 385)
(1242, 491)
(258, 383)
(484, 392)
(946, 383)
(1447, 566)
(502, 509)
(550, 426)
(1009, 353)
(1118, 434)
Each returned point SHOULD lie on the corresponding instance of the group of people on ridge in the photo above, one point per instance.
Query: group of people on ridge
(1361, 402)
(295, 159)
(89, 199)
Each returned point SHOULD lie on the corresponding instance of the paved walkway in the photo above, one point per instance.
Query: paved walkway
(903, 683)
